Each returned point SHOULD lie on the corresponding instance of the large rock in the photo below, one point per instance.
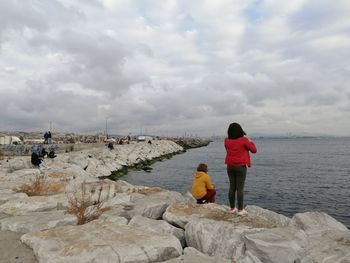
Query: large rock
(80, 159)
(151, 202)
(158, 226)
(25, 205)
(328, 247)
(18, 177)
(12, 250)
(329, 240)
(192, 255)
(101, 241)
(277, 219)
(37, 221)
(314, 222)
(10, 195)
(277, 245)
(180, 213)
(222, 235)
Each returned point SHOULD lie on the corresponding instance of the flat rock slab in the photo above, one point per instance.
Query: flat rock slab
(276, 245)
(101, 241)
(37, 221)
(180, 213)
(218, 238)
(25, 205)
(191, 255)
(158, 226)
(12, 250)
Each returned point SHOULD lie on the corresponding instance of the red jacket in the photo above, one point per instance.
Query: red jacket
(237, 151)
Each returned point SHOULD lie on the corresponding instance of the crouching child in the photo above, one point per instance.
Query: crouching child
(202, 188)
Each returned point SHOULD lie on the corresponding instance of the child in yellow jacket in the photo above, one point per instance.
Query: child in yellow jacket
(202, 187)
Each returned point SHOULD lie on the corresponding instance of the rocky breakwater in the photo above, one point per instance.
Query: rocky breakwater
(189, 143)
(68, 214)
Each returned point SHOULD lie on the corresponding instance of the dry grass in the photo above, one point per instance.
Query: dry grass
(39, 186)
(82, 204)
(2, 157)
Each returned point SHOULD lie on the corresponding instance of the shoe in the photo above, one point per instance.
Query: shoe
(242, 212)
(233, 210)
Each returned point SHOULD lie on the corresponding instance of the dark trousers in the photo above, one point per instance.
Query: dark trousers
(236, 175)
(208, 198)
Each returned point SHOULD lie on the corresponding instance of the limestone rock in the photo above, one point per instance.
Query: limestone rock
(180, 213)
(113, 219)
(192, 255)
(37, 221)
(12, 250)
(218, 238)
(276, 245)
(21, 206)
(100, 241)
(158, 226)
(151, 202)
(4, 197)
(277, 219)
(312, 222)
(79, 159)
(329, 240)
(328, 246)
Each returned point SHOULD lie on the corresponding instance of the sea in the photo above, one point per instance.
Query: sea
(288, 175)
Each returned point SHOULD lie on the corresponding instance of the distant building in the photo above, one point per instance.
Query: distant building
(6, 140)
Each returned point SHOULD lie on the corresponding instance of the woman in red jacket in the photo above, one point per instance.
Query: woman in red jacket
(237, 160)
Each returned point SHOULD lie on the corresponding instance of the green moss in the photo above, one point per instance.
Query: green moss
(142, 165)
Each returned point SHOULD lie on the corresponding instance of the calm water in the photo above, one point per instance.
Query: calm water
(287, 175)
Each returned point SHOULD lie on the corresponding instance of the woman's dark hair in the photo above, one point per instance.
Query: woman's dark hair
(202, 167)
(235, 131)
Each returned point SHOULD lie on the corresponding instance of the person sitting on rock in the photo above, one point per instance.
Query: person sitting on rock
(43, 153)
(36, 160)
(202, 188)
(52, 153)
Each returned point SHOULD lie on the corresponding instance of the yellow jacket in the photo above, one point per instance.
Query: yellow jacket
(201, 183)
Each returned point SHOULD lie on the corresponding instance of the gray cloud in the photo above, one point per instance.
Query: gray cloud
(175, 67)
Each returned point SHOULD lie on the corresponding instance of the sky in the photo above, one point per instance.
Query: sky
(186, 67)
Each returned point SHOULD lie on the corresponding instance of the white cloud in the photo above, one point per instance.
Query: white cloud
(175, 66)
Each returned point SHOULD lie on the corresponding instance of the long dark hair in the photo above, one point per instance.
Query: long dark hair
(235, 131)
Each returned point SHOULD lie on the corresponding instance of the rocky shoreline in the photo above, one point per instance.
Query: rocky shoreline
(128, 223)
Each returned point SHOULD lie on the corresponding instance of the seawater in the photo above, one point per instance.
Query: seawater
(287, 176)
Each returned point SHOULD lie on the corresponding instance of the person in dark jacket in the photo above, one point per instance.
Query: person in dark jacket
(237, 159)
(36, 159)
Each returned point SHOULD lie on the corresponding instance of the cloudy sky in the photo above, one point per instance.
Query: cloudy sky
(175, 67)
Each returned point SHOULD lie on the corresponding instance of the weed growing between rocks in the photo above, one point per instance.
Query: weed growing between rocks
(40, 186)
(86, 205)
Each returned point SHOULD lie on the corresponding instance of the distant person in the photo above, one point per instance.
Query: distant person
(202, 188)
(36, 159)
(46, 137)
(51, 153)
(43, 152)
(237, 160)
(110, 146)
(49, 137)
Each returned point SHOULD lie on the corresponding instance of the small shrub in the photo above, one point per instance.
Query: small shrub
(2, 155)
(39, 186)
(84, 206)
